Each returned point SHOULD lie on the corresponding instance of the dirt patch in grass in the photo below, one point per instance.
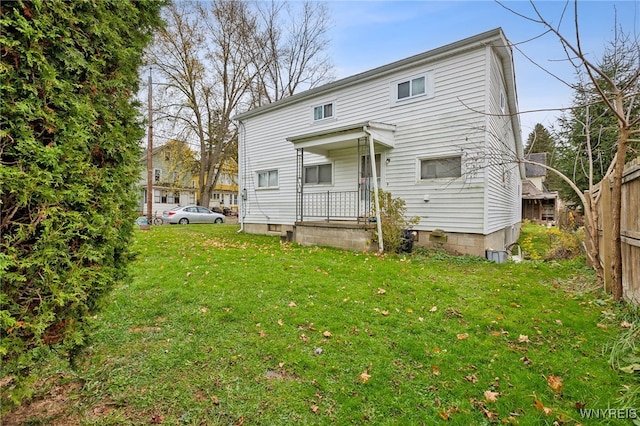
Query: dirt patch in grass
(55, 408)
(52, 408)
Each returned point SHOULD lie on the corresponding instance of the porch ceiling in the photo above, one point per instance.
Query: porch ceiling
(345, 137)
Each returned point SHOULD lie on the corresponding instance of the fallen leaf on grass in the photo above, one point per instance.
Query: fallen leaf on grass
(491, 396)
(365, 376)
(262, 334)
(631, 368)
(315, 409)
(540, 406)
(555, 382)
(435, 370)
(327, 334)
(472, 378)
(420, 319)
(626, 324)
(523, 339)
(381, 291)
(203, 310)
(602, 326)
(462, 336)
(385, 313)
(215, 400)
(481, 405)
(280, 322)
(292, 305)
(525, 360)
(447, 413)
(304, 338)
(433, 309)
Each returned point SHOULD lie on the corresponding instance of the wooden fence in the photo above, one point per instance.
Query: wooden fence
(629, 231)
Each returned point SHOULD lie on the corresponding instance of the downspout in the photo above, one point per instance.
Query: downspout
(243, 191)
(376, 197)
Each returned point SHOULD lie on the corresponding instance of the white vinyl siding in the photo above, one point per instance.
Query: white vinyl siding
(503, 187)
(445, 125)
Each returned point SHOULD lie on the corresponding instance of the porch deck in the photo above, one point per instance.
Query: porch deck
(347, 234)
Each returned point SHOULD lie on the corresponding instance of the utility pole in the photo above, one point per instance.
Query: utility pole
(150, 154)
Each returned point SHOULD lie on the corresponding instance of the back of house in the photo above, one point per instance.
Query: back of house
(439, 130)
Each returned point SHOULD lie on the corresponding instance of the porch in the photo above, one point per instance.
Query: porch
(340, 190)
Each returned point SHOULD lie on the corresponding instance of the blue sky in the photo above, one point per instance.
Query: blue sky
(367, 34)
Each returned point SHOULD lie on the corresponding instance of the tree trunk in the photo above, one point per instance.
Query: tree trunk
(616, 207)
(592, 238)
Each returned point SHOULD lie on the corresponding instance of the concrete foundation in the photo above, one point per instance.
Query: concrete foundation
(355, 236)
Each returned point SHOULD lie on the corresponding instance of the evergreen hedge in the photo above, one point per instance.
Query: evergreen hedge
(69, 146)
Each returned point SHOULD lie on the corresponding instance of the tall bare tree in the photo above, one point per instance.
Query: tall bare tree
(618, 93)
(221, 57)
(204, 58)
(292, 48)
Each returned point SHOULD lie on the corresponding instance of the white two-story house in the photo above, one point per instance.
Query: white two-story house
(439, 129)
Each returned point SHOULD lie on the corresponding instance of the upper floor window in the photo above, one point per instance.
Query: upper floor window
(435, 168)
(503, 102)
(318, 175)
(321, 112)
(268, 179)
(412, 87)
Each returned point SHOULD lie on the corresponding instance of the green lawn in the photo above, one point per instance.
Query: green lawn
(224, 328)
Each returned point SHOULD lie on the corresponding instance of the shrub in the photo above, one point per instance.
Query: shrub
(70, 152)
(392, 216)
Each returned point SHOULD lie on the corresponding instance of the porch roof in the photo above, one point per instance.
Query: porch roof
(322, 142)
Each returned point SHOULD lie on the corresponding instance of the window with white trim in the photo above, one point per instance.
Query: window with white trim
(268, 179)
(412, 88)
(324, 111)
(321, 174)
(445, 167)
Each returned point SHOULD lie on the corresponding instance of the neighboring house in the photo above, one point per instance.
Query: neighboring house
(225, 193)
(538, 204)
(174, 184)
(439, 130)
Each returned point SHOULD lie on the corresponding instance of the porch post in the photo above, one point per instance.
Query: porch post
(300, 184)
(374, 172)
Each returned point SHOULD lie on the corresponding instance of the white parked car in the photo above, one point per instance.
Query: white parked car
(191, 214)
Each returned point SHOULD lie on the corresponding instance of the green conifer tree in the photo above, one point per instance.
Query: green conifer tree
(69, 145)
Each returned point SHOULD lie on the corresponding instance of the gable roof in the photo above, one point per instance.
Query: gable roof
(495, 37)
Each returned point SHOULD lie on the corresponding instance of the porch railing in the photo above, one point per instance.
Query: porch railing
(330, 205)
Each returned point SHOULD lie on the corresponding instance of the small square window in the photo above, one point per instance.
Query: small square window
(268, 179)
(318, 175)
(437, 168)
(413, 87)
(322, 112)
